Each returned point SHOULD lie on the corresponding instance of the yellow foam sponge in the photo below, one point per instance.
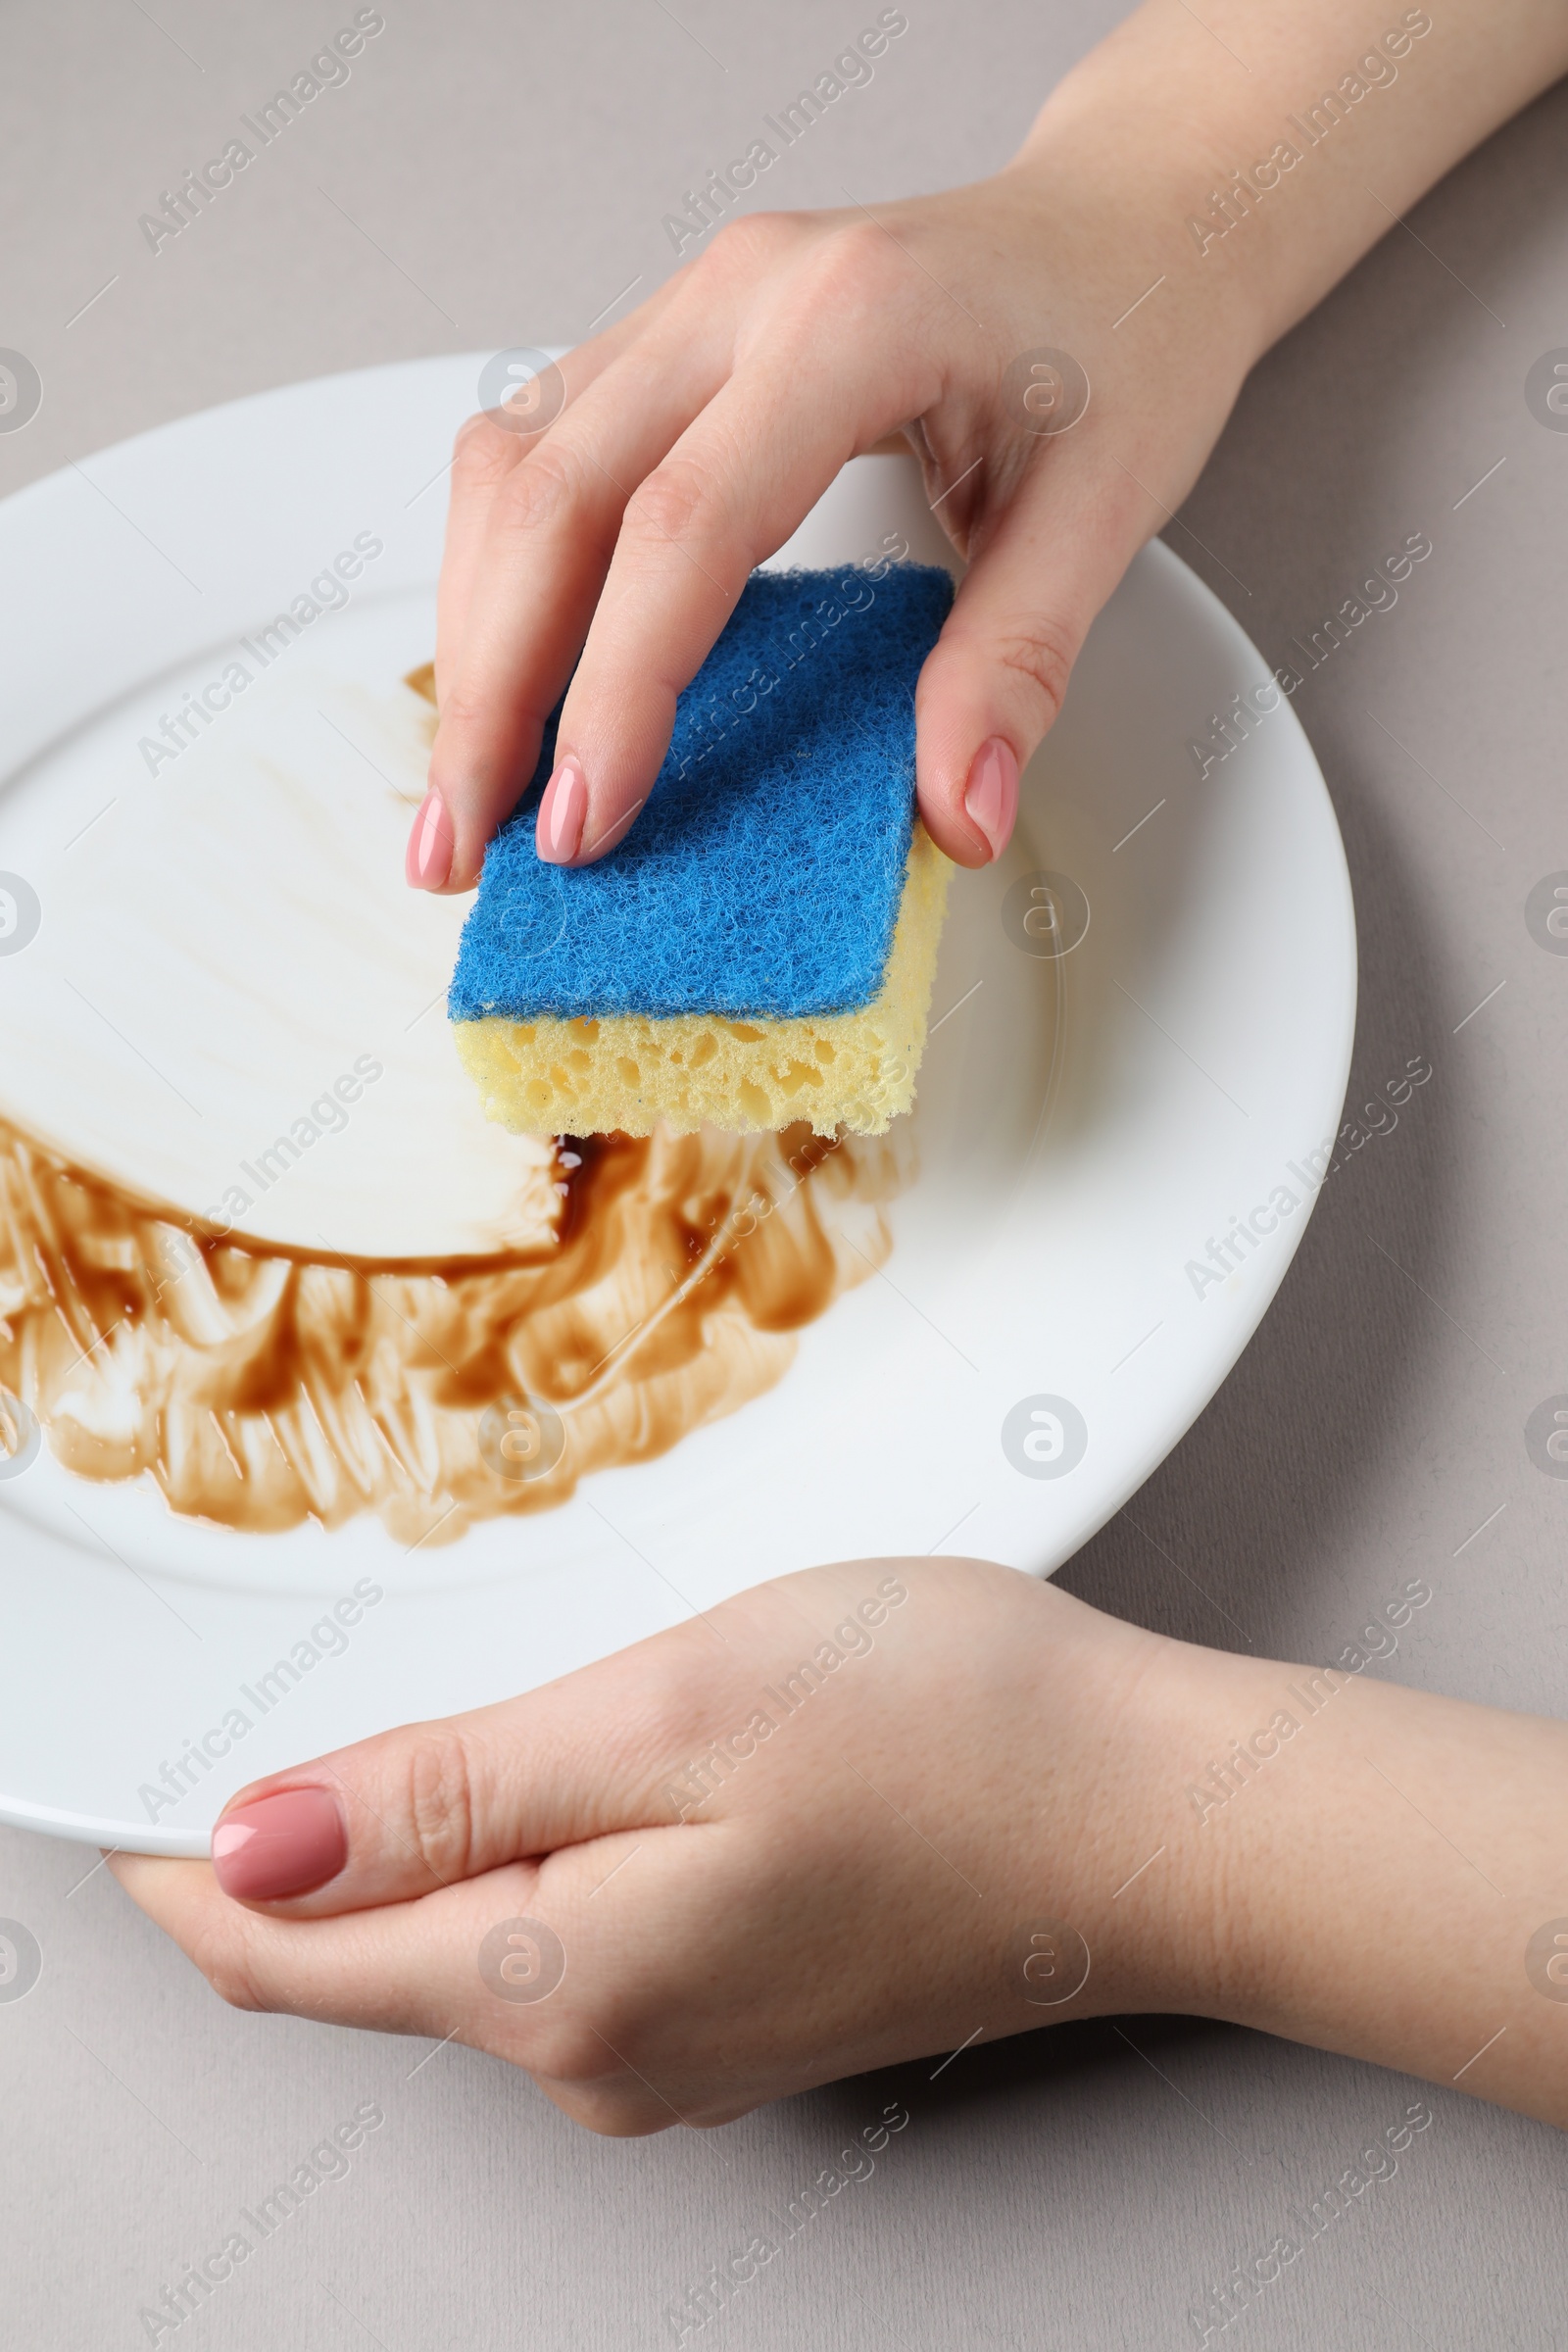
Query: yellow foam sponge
(854, 1071)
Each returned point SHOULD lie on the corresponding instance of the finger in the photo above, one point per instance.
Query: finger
(483, 454)
(428, 1804)
(731, 490)
(487, 448)
(432, 1803)
(549, 531)
(502, 1963)
(995, 680)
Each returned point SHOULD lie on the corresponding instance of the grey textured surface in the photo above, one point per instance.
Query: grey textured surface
(1057, 2189)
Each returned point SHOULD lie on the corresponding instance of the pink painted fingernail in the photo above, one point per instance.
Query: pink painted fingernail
(279, 1846)
(991, 796)
(428, 861)
(557, 835)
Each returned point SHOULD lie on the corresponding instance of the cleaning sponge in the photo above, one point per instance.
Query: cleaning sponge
(760, 947)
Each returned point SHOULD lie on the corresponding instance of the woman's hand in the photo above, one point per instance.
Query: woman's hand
(811, 1832)
(879, 1810)
(1168, 217)
(894, 1807)
(696, 436)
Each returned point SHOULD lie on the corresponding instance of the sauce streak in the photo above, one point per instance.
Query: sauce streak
(262, 1386)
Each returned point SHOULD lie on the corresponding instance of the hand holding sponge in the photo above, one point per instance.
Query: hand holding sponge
(760, 948)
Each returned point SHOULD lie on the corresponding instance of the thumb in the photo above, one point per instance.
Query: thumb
(431, 1803)
(997, 676)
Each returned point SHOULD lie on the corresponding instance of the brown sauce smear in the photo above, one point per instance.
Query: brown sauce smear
(262, 1386)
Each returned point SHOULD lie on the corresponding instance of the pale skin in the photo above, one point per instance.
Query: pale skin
(995, 1755)
(853, 1890)
(699, 431)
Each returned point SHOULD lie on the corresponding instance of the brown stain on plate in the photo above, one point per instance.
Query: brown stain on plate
(262, 1386)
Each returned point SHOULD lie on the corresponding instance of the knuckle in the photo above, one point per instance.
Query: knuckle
(540, 488)
(671, 1707)
(439, 1802)
(611, 2115)
(568, 2049)
(468, 715)
(225, 1963)
(482, 452)
(678, 501)
(754, 243)
(1041, 654)
(855, 263)
(670, 1728)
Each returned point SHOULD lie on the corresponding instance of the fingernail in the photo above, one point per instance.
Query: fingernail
(429, 856)
(991, 796)
(279, 1846)
(557, 835)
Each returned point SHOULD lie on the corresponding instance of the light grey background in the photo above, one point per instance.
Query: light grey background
(505, 169)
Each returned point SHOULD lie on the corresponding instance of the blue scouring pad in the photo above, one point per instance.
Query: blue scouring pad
(760, 948)
(763, 878)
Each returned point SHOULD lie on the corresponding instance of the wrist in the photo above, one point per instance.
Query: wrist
(1112, 146)
(1175, 1932)
(1114, 1853)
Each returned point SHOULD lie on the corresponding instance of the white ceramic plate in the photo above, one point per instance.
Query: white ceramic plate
(1088, 1124)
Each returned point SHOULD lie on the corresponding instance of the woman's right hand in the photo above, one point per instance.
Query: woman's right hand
(696, 436)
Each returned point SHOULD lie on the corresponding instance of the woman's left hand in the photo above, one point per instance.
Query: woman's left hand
(810, 1832)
